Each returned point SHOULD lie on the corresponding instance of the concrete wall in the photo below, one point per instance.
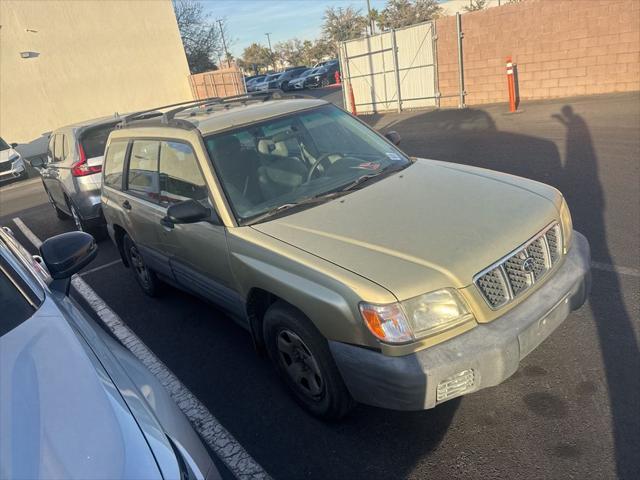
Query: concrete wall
(561, 48)
(92, 58)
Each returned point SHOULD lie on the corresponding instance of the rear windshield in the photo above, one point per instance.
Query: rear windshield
(94, 140)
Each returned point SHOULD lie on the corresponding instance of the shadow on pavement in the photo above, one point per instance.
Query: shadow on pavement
(470, 136)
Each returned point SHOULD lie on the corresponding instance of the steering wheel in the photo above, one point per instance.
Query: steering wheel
(321, 159)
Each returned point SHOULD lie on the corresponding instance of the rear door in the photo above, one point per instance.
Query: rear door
(199, 256)
(51, 173)
(139, 203)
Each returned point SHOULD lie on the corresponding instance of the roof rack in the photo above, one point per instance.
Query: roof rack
(175, 108)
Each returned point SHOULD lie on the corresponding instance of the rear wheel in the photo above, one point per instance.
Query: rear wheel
(302, 358)
(98, 231)
(146, 278)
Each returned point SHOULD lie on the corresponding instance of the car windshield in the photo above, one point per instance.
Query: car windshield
(4, 145)
(299, 159)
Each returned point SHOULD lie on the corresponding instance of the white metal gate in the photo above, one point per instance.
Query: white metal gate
(393, 70)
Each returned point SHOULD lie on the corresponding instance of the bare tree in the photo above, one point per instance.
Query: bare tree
(201, 35)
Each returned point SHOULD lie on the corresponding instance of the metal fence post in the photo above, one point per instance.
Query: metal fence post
(394, 50)
(460, 62)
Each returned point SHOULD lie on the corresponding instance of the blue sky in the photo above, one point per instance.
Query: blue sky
(249, 20)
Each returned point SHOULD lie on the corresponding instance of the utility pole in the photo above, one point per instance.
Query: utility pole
(224, 44)
(273, 58)
(371, 22)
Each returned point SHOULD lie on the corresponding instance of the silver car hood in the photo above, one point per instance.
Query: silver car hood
(60, 414)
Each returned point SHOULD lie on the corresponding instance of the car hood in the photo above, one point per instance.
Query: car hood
(7, 154)
(60, 414)
(429, 226)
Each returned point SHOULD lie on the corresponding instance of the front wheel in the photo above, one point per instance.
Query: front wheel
(146, 278)
(302, 358)
(324, 82)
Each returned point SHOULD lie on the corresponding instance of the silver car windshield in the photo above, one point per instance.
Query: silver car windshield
(292, 159)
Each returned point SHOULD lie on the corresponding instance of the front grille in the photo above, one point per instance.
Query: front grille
(5, 166)
(519, 271)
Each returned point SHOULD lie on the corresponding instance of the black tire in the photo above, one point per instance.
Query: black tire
(59, 213)
(146, 278)
(303, 360)
(324, 82)
(99, 232)
(285, 86)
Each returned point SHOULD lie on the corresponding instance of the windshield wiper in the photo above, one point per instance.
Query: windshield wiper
(287, 206)
(365, 178)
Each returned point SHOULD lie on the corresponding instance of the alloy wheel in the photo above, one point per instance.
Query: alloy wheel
(138, 265)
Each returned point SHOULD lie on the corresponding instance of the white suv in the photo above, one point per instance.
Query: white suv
(11, 163)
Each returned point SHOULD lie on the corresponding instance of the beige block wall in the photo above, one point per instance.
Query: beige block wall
(561, 48)
(94, 58)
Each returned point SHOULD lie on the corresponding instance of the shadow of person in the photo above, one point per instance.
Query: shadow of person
(580, 183)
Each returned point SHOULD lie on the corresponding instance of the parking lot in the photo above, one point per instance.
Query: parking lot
(571, 411)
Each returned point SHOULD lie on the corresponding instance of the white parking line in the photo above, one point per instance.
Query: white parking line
(234, 456)
(106, 265)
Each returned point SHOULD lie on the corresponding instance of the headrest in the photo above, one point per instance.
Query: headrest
(227, 145)
(266, 146)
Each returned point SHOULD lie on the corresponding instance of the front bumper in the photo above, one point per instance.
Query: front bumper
(491, 352)
(16, 170)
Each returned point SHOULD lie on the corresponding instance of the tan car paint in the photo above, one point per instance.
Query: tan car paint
(431, 226)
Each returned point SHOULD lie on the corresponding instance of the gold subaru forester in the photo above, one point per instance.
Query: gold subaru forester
(366, 275)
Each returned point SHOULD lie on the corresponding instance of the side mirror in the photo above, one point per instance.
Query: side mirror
(37, 162)
(66, 254)
(14, 145)
(393, 136)
(189, 211)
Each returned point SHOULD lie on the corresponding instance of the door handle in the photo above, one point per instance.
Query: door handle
(126, 205)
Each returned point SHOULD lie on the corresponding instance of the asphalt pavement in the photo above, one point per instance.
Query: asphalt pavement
(571, 411)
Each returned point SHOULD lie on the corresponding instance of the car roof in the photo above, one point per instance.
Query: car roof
(223, 116)
(96, 122)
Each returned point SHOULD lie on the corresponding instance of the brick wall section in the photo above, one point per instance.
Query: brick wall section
(561, 48)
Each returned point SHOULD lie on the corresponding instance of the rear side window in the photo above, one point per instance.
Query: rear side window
(94, 141)
(59, 152)
(114, 164)
(180, 176)
(142, 177)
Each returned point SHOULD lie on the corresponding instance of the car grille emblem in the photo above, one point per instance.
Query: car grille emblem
(528, 264)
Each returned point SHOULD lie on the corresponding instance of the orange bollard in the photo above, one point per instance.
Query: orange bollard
(511, 85)
(352, 100)
(337, 78)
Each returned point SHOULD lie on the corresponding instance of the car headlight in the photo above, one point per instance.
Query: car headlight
(14, 157)
(567, 225)
(417, 317)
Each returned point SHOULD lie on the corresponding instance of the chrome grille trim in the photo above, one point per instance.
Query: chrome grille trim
(505, 280)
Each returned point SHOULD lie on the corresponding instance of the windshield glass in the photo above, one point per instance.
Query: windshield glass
(302, 156)
(3, 145)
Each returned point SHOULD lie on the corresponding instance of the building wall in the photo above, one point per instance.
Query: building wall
(92, 58)
(561, 48)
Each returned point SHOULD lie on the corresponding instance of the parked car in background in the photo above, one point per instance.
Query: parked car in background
(253, 82)
(287, 76)
(74, 403)
(324, 75)
(71, 173)
(298, 82)
(284, 212)
(11, 162)
(270, 82)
